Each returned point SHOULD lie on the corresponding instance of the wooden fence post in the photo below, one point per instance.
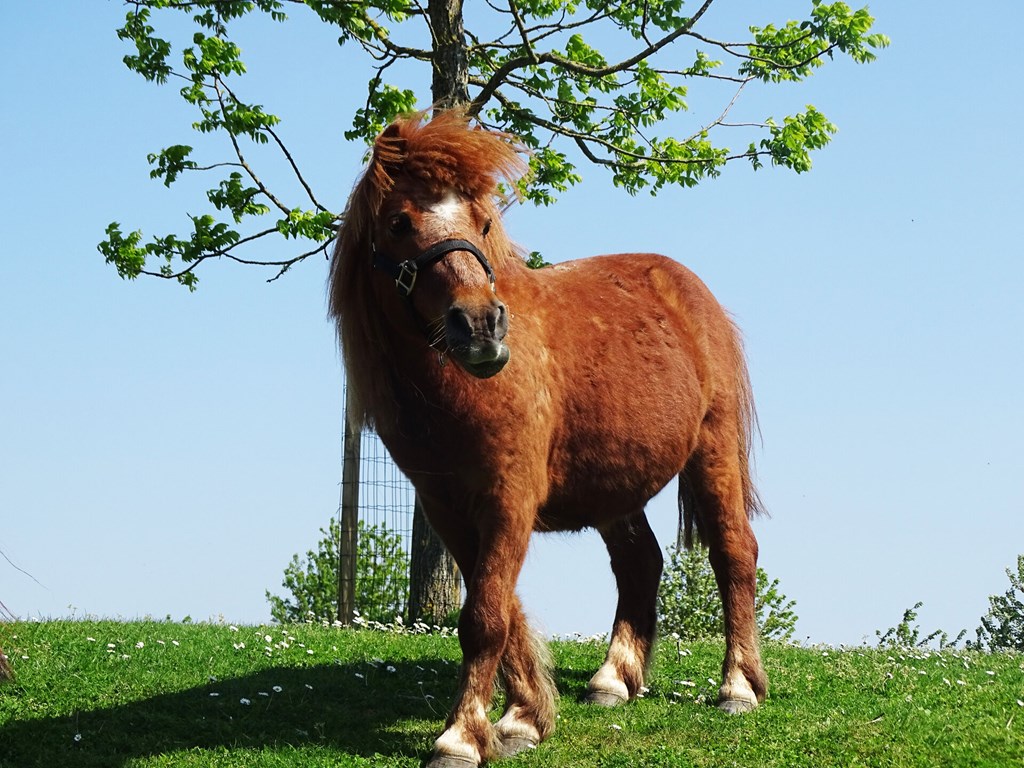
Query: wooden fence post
(349, 523)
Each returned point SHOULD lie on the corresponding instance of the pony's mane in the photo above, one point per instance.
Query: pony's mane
(441, 153)
(445, 153)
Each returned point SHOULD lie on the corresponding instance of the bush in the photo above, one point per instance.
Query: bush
(690, 606)
(907, 634)
(382, 578)
(1002, 628)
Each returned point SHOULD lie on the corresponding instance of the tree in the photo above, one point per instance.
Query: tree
(690, 606)
(382, 582)
(529, 67)
(1002, 628)
(526, 67)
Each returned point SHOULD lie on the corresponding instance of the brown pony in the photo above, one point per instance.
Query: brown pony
(521, 400)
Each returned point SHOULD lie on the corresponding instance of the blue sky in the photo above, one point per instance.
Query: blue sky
(165, 453)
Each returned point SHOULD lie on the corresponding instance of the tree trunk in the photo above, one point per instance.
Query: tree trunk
(450, 85)
(435, 589)
(5, 669)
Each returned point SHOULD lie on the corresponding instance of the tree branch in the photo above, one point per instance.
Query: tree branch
(725, 112)
(706, 75)
(637, 160)
(238, 150)
(20, 570)
(568, 65)
(283, 265)
(522, 31)
(397, 50)
(727, 47)
(295, 169)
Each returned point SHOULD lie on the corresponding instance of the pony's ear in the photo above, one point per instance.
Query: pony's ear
(389, 147)
(391, 132)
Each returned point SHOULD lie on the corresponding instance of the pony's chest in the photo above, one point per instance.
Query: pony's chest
(464, 429)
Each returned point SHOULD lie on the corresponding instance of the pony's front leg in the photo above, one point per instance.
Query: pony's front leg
(469, 738)
(530, 693)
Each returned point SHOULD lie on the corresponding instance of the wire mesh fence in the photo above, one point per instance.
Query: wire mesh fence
(386, 503)
(386, 497)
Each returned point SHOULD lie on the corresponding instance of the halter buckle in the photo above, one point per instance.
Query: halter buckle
(405, 280)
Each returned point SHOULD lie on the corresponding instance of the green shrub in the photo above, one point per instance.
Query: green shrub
(907, 634)
(690, 606)
(1002, 628)
(382, 578)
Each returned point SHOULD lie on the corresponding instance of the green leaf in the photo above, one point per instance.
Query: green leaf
(231, 195)
(384, 103)
(549, 172)
(311, 225)
(789, 145)
(152, 52)
(578, 51)
(123, 251)
(171, 162)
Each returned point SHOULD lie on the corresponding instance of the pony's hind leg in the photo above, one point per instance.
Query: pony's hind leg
(636, 561)
(717, 489)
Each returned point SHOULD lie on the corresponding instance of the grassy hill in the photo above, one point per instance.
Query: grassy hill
(148, 694)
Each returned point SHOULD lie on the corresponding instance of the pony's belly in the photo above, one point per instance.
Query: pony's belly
(615, 464)
(595, 499)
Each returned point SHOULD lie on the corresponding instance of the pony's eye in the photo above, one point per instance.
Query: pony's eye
(487, 228)
(399, 224)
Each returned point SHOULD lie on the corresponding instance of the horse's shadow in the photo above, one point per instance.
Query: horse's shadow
(391, 710)
(355, 709)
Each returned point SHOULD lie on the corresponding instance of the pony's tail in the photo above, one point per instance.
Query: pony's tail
(688, 518)
(690, 512)
(748, 428)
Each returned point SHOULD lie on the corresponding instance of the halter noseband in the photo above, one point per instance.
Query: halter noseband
(404, 273)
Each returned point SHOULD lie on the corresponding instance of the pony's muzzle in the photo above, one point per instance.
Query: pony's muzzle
(476, 337)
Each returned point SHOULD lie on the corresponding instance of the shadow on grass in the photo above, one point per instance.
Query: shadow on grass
(345, 707)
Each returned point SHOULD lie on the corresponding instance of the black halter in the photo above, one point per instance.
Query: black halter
(405, 272)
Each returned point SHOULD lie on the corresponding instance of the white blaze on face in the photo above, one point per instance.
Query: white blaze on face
(448, 208)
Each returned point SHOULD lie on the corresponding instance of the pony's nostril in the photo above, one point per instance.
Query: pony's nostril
(459, 323)
(497, 321)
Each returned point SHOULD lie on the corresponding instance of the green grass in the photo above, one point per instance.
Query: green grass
(161, 694)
